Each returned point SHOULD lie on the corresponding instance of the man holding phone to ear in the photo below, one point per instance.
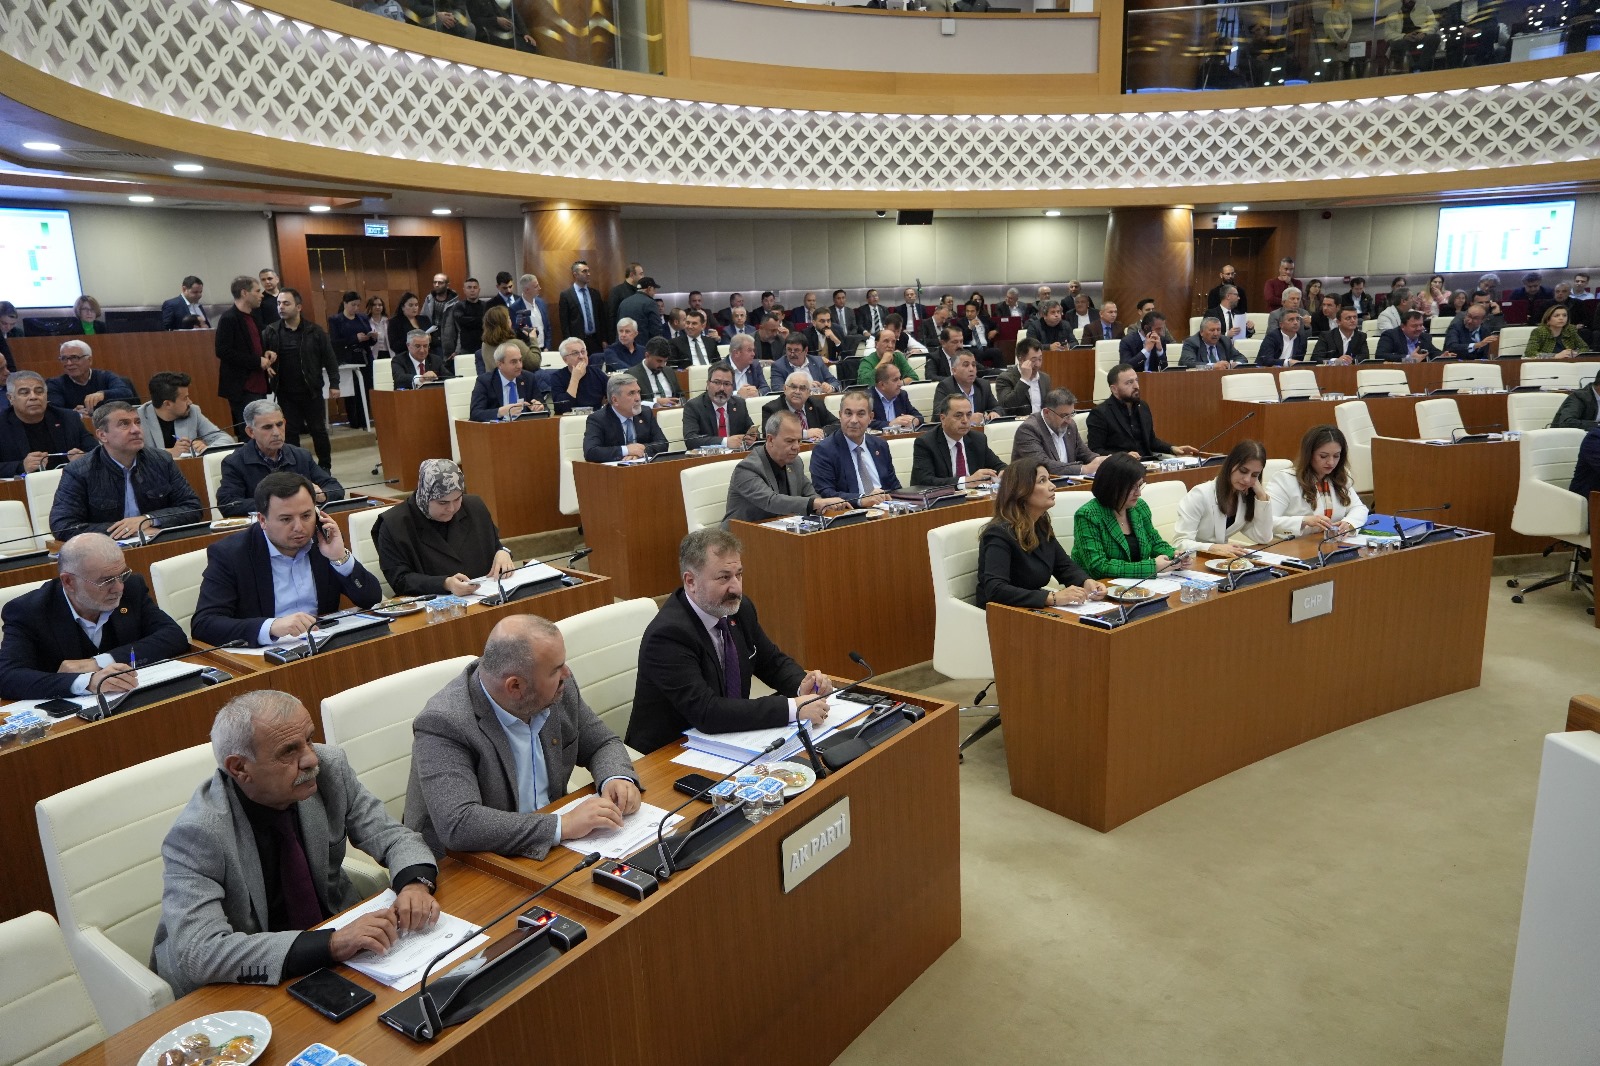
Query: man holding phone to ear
(273, 579)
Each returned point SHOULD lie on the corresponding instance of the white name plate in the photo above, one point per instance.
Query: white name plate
(1311, 602)
(812, 846)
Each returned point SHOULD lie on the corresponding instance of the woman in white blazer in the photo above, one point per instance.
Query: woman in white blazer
(1317, 494)
(1234, 504)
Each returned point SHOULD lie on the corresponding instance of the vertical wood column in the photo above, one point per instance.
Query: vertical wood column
(579, 31)
(557, 233)
(1150, 252)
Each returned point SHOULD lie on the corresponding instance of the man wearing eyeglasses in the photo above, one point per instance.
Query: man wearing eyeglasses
(83, 631)
(81, 387)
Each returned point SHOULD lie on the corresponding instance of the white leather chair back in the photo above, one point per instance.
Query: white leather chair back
(1299, 383)
(211, 463)
(457, 406)
(1355, 422)
(551, 361)
(1174, 353)
(175, 583)
(364, 542)
(1163, 498)
(382, 375)
(1544, 507)
(1194, 325)
(705, 492)
(1064, 513)
(1438, 419)
(671, 423)
(1532, 410)
(960, 629)
(920, 394)
(372, 723)
(41, 490)
(1369, 326)
(833, 401)
(1080, 418)
(1439, 325)
(571, 433)
(46, 1016)
(14, 525)
(11, 592)
(1258, 319)
(465, 365)
(1250, 388)
(698, 373)
(1382, 382)
(1247, 348)
(1000, 438)
(102, 852)
(918, 365)
(603, 655)
(1472, 376)
(1514, 341)
(902, 457)
(1105, 357)
(1275, 467)
(1553, 374)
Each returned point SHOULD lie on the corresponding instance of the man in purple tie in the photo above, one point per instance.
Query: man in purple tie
(703, 647)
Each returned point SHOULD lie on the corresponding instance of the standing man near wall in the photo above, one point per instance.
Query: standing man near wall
(583, 313)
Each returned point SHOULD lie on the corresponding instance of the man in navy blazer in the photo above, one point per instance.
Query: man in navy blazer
(1284, 345)
(1144, 348)
(491, 399)
(622, 429)
(175, 310)
(83, 628)
(1407, 342)
(889, 401)
(273, 579)
(835, 470)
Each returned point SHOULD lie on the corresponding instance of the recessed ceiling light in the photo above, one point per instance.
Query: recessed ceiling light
(187, 168)
(1053, 213)
(41, 146)
(441, 210)
(319, 209)
(141, 199)
(1240, 207)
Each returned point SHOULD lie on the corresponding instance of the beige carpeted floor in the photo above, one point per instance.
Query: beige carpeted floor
(1352, 901)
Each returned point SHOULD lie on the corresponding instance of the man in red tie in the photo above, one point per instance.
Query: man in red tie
(954, 456)
(718, 418)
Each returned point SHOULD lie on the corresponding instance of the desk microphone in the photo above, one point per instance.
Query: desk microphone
(434, 1024)
(1474, 435)
(844, 756)
(571, 557)
(104, 705)
(665, 871)
(1400, 530)
(145, 541)
(1122, 610)
(1233, 575)
(1380, 390)
(1218, 436)
(369, 485)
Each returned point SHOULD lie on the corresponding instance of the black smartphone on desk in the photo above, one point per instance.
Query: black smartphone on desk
(59, 708)
(331, 995)
(693, 784)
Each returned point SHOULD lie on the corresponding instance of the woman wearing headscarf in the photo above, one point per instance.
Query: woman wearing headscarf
(439, 538)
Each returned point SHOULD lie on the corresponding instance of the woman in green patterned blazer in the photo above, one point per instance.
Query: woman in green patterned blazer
(1113, 535)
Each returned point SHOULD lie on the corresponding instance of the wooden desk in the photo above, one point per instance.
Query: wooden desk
(1583, 712)
(76, 751)
(515, 467)
(412, 426)
(1073, 369)
(139, 357)
(1280, 426)
(1138, 727)
(1479, 481)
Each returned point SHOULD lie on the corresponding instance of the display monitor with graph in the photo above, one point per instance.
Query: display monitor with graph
(1504, 237)
(38, 261)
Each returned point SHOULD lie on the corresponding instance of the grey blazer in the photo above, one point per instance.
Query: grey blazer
(1013, 394)
(194, 425)
(754, 495)
(1033, 441)
(213, 898)
(463, 790)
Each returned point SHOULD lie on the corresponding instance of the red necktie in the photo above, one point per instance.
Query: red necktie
(803, 423)
(722, 422)
(961, 460)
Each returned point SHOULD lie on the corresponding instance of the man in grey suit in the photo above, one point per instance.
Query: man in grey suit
(1050, 438)
(255, 860)
(1209, 349)
(770, 481)
(500, 741)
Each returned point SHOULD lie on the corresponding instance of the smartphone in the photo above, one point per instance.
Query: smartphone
(331, 995)
(688, 784)
(59, 708)
(322, 526)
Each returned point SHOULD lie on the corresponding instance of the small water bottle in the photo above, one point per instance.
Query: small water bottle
(416, 381)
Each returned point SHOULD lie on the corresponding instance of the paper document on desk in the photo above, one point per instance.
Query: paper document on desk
(528, 575)
(744, 743)
(325, 629)
(402, 965)
(158, 674)
(638, 829)
(1202, 577)
(1274, 559)
(1087, 608)
(712, 764)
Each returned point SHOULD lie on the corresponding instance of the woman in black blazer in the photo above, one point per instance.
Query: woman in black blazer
(407, 317)
(1018, 552)
(87, 319)
(439, 539)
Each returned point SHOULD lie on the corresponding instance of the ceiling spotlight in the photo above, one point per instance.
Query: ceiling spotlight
(441, 210)
(41, 146)
(141, 199)
(1240, 207)
(319, 209)
(1054, 212)
(187, 168)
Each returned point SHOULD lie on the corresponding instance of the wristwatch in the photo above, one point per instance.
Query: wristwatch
(348, 555)
(432, 888)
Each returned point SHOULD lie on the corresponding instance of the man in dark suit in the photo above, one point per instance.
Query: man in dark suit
(964, 382)
(826, 339)
(1123, 423)
(1579, 410)
(1345, 343)
(622, 429)
(844, 319)
(175, 310)
(419, 361)
(242, 358)
(952, 454)
(1228, 279)
(1285, 345)
(578, 382)
(910, 311)
(31, 430)
(1359, 299)
(871, 316)
(505, 294)
(658, 382)
(81, 387)
(694, 346)
(1407, 343)
(642, 308)
(852, 464)
(1050, 329)
(796, 359)
(273, 579)
(1533, 288)
(703, 647)
(1228, 309)
(816, 421)
(1469, 336)
(1050, 438)
(624, 289)
(1209, 349)
(583, 314)
(1145, 348)
(268, 452)
(1080, 314)
(890, 404)
(803, 316)
(929, 332)
(508, 390)
(77, 634)
(121, 488)
(771, 481)
(531, 318)
(748, 377)
(724, 317)
(717, 417)
(1105, 326)
(1021, 389)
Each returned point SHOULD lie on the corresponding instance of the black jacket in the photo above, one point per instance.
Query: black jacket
(235, 357)
(416, 553)
(90, 498)
(680, 680)
(817, 414)
(1113, 429)
(1009, 575)
(403, 369)
(571, 314)
(602, 435)
(316, 354)
(66, 433)
(236, 593)
(1577, 411)
(1331, 345)
(245, 466)
(41, 634)
(930, 458)
(700, 421)
(489, 394)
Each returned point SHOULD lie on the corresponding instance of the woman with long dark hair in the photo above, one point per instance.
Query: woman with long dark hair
(1234, 504)
(1317, 494)
(1018, 552)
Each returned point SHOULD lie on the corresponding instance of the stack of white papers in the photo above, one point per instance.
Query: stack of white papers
(638, 829)
(1096, 607)
(533, 573)
(745, 743)
(159, 674)
(402, 965)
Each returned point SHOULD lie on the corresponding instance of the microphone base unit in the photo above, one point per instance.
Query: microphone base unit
(705, 835)
(17, 562)
(628, 880)
(351, 503)
(341, 639)
(1340, 555)
(842, 749)
(193, 529)
(1129, 614)
(540, 921)
(1256, 576)
(845, 518)
(142, 697)
(1477, 438)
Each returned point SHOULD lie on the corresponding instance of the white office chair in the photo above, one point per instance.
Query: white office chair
(1554, 374)
(364, 542)
(1273, 468)
(1000, 438)
(41, 490)
(1248, 349)
(1105, 357)
(1472, 376)
(102, 852)
(671, 423)
(705, 493)
(920, 395)
(551, 361)
(211, 463)
(11, 592)
(571, 435)
(1063, 516)
(1438, 419)
(176, 585)
(1250, 388)
(1439, 325)
(1299, 383)
(457, 407)
(833, 402)
(1258, 319)
(46, 1015)
(1174, 353)
(1532, 410)
(1514, 341)
(382, 376)
(919, 365)
(960, 629)
(1163, 498)
(1545, 508)
(1080, 418)
(372, 723)
(603, 655)
(464, 365)
(697, 379)
(15, 529)
(1382, 382)
(1355, 422)
(1194, 324)
(902, 457)
(1369, 326)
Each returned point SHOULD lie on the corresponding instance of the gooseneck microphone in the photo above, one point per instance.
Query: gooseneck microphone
(665, 870)
(571, 557)
(104, 706)
(1218, 436)
(841, 752)
(1405, 541)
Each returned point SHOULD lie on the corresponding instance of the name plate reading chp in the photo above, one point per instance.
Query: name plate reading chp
(1312, 602)
(814, 845)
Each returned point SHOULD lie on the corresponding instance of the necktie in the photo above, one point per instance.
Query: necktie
(802, 413)
(300, 905)
(722, 422)
(588, 315)
(961, 460)
(699, 352)
(627, 431)
(731, 686)
(1211, 353)
(877, 323)
(1230, 320)
(511, 391)
(661, 386)
(866, 482)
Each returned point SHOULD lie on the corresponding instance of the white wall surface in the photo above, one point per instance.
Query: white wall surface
(493, 245)
(134, 256)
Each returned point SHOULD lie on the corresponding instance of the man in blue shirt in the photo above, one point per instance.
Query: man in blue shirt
(81, 387)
